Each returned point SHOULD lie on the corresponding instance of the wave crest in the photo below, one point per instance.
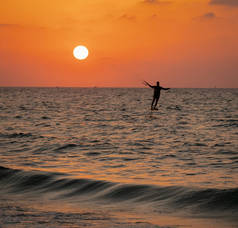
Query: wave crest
(19, 181)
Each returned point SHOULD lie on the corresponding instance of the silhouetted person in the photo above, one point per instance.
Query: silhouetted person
(156, 96)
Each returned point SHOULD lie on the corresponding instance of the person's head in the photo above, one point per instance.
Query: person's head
(157, 83)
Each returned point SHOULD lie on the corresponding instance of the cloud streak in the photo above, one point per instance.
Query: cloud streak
(232, 3)
(206, 17)
(127, 17)
(209, 15)
(21, 26)
(155, 2)
(11, 26)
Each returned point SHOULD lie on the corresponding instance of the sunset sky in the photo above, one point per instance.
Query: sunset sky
(181, 43)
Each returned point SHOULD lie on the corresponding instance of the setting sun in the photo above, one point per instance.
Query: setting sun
(80, 52)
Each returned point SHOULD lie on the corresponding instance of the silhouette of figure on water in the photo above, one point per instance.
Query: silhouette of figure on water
(156, 96)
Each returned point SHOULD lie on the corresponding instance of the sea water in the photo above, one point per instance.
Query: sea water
(99, 157)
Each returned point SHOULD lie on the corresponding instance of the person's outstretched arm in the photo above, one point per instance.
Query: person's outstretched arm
(165, 88)
(147, 84)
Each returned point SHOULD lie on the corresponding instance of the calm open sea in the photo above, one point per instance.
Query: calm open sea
(99, 157)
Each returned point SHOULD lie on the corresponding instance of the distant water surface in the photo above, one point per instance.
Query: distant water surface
(189, 147)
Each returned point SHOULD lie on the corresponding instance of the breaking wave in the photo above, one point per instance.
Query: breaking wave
(35, 182)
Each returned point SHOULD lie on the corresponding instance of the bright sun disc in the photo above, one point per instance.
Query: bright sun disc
(80, 52)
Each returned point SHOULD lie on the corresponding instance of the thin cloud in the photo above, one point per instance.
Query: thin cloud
(206, 16)
(154, 16)
(232, 3)
(19, 26)
(127, 17)
(11, 26)
(155, 2)
(209, 15)
(24, 27)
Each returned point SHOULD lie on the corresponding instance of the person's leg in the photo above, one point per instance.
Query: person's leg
(152, 104)
(156, 102)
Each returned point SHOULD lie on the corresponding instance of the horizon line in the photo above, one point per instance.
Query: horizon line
(115, 87)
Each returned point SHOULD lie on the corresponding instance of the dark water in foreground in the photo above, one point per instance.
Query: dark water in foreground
(75, 157)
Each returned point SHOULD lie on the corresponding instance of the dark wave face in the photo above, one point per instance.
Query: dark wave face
(201, 201)
(16, 135)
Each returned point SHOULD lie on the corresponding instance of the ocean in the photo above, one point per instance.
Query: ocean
(99, 157)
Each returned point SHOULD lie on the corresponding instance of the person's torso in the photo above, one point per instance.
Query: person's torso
(157, 91)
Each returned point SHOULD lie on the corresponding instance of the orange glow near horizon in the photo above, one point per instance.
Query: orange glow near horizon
(181, 43)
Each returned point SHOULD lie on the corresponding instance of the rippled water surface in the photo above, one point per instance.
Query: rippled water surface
(111, 134)
(99, 157)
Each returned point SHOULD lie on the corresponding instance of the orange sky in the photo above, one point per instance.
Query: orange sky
(181, 43)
